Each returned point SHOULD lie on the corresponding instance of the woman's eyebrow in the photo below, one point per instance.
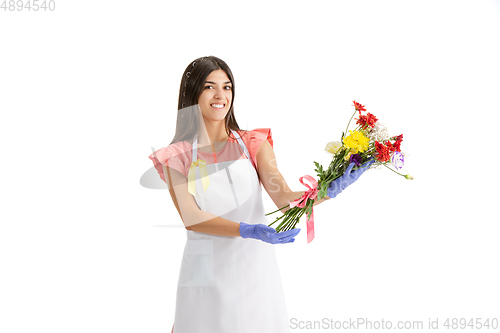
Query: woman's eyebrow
(214, 82)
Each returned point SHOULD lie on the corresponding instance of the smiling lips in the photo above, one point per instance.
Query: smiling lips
(218, 106)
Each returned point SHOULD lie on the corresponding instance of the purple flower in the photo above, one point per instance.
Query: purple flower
(398, 160)
(356, 159)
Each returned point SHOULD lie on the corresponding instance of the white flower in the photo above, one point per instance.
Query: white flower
(333, 147)
(379, 133)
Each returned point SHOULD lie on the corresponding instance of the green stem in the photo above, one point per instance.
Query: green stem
(384, 164)
(349, 123)
(277, 210)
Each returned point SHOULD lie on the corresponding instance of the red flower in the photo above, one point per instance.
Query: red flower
(368, 120)
(359, 107)
(383, 152)
(397, 144)
(389, 146)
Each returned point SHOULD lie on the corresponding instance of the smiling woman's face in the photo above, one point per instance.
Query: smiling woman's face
(215, 99)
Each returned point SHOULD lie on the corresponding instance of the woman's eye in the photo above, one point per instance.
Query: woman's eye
(224, 87)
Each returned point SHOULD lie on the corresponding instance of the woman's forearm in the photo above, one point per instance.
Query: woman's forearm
(292, 196)
(215, 225)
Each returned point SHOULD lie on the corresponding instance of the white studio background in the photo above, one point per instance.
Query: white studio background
(88, 89)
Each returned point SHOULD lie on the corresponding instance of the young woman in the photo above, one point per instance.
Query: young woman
(229, 280)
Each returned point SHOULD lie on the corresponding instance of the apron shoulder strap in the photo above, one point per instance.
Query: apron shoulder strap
(243, 147)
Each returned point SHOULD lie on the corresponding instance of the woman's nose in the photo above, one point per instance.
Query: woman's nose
(220, 94)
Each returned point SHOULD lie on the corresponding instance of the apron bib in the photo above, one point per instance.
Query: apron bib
(230, 284)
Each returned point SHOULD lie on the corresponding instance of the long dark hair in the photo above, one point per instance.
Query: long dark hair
(192, 83)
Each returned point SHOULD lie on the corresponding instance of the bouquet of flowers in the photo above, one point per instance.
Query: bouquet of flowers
(369, 140)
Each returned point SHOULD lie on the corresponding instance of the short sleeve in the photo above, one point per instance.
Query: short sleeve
(257, 137)
(170, 156)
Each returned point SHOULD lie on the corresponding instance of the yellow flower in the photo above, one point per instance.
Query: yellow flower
(357, 141)
(333, 147)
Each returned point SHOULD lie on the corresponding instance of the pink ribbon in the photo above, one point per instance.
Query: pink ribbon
(312, 192)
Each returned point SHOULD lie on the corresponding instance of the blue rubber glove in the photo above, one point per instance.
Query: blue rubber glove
(267, 234)
(349, 177)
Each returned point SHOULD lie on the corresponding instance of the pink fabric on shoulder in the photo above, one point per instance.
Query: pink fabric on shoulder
(255, 139)
(176, 156)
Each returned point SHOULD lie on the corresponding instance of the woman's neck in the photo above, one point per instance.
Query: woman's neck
(214, 133)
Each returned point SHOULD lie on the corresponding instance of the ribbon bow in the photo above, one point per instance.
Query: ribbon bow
(312, 193)
(192, 175)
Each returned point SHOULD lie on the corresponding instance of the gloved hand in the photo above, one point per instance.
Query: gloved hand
(340, 184)
(267, 234)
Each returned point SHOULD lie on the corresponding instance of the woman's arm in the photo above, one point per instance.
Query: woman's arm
(216, 225)
(192, 216)
(273, 181)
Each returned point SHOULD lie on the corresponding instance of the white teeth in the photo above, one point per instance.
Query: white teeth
(219, 106)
